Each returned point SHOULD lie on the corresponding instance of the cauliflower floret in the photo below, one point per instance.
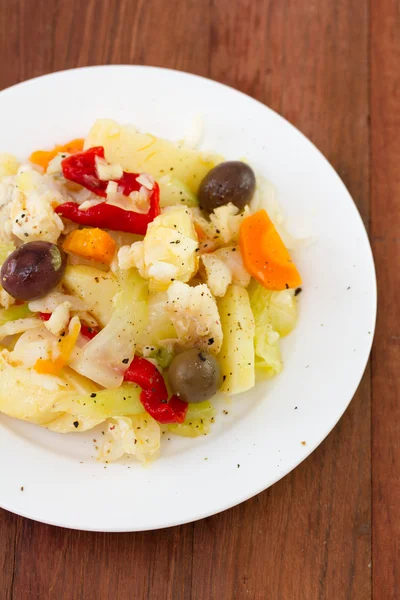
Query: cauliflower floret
(30, 198)
(194, 314)
(227, 220)
(232, 258)
(218, 274)
(223, 267)
(139, 435)
(222, 228)
(168, 251)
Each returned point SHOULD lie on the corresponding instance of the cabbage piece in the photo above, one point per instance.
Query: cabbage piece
(17, 326)
(33, 345)
(5, 250)
(280, 308)
(100, 405)
(275, 315)
(107, 356)
(137, 435)
(175, 193)
(197, 422)
(13, 313)
(162, 356)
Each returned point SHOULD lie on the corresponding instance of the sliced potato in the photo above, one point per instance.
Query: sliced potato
(96, 288)
(27, 395)
(143, 153)
(237, 352)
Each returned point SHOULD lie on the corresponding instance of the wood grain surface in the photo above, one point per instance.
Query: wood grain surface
(331, 529)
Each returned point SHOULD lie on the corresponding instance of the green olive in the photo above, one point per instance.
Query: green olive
(232, 181)
(194, 375)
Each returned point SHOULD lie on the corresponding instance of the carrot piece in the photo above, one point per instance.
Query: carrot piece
(93, 244)
(43, 157)
(264, 254)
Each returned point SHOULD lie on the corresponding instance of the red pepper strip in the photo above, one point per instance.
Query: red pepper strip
(154, 395)
(88, 332)
(108, 216)
(81, 168)
(45, 316)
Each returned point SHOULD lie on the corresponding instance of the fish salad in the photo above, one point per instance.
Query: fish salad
(139, 278)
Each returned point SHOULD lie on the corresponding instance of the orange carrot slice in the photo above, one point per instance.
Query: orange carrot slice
(43, 157)
(94, 244)
(264, 254)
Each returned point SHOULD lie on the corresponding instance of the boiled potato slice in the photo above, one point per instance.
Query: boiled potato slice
(143, 153)
(96, 288)
(27, 395)
(237, 352)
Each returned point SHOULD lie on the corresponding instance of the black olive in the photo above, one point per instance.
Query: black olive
(231, 181)
(194, 375)
(33, 270)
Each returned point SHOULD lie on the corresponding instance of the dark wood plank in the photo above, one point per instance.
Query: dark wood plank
(308, 537)
(8, 528)
(385, 213)
(55, 563)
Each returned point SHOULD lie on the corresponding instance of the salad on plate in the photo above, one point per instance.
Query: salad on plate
(139, 278)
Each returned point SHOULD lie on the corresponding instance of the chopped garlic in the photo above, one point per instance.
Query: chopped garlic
(59, 319)
(140, 201)
(89, 204)
(106, 171)
(146, 180)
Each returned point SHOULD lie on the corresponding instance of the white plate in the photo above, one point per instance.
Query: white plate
(267, 431)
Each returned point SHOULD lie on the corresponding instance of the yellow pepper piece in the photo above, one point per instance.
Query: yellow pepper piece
(48, 366)
(93, 244)
(43, 157)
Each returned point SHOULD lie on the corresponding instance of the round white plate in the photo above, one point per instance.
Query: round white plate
(268, 431)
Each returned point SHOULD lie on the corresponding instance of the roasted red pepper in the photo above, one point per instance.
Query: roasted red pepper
(81, 168)
(154, 395)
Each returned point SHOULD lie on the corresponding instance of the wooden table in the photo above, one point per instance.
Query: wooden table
(331, 529)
